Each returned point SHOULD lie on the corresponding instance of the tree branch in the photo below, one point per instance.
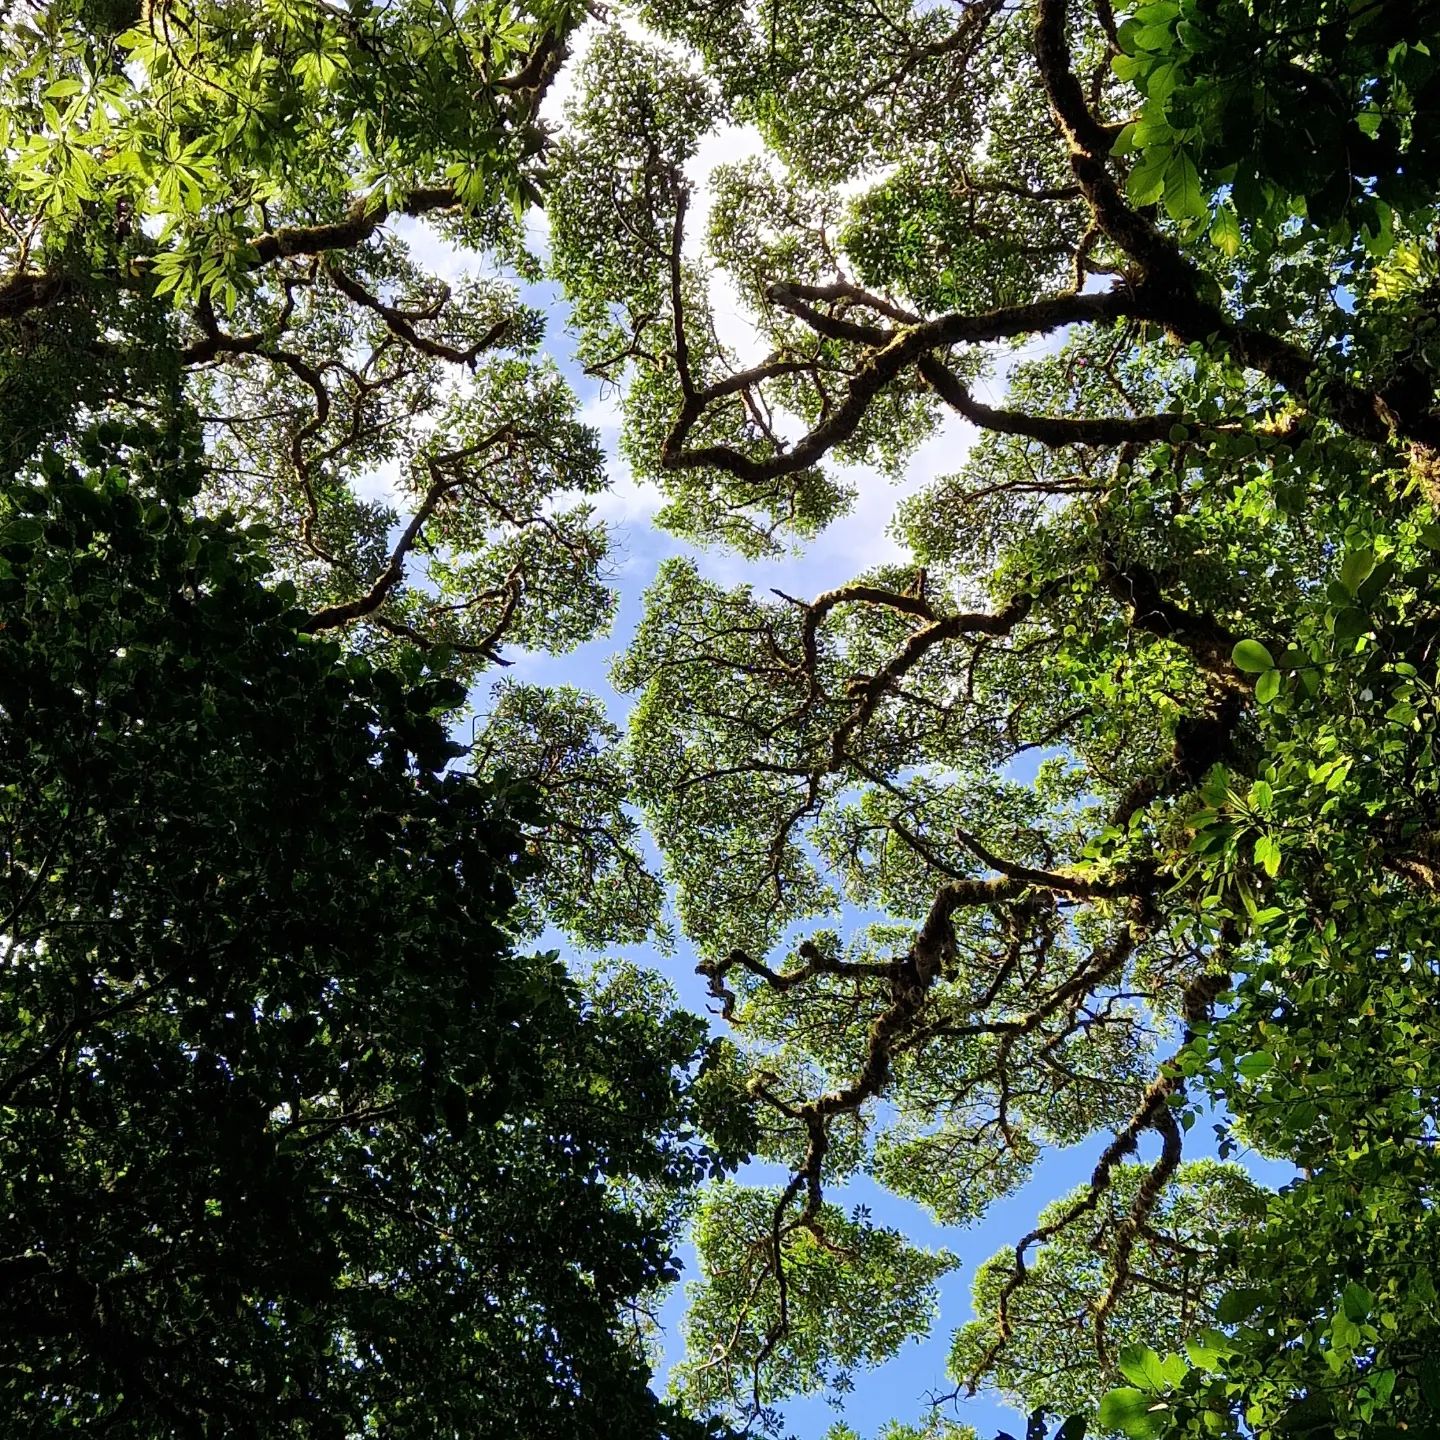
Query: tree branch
(1052, 430)
(400, 324)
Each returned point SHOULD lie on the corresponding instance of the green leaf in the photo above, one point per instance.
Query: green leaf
(1355, 567)
(1125, 140)
(1267, 687)
(1267, 854)
(1254, 1067)
(1141, 1366)
(1225, 231)
(1350, 625)
(1147, 179)
(1356, 1301)
(1184, 199)
(1207, 1349)
(1153, 38)
(1174, 1368)
(1374, 584)
(1252, 657)
(1239, 1304)
(1162, 82)
(1130, 1411)
(1344, 1333)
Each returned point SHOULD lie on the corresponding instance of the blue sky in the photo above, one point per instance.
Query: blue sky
(860, 539)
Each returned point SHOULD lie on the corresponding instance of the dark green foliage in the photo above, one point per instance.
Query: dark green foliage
(1322, 108)
(292, 1142)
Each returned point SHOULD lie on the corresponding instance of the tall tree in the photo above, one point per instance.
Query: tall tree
(294, 1140)
(1187, 566)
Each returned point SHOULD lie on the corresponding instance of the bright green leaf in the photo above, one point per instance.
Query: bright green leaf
(1252, 657)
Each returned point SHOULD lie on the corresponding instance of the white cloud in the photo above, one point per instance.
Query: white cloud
(627, 501)
(943, 453)
(433, 253)
(726, 146)
(381, 483)
(603, 411)
(733, 323)
(537, 232)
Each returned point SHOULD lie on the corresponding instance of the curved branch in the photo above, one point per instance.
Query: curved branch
(1089, 143)
(1053, 430)
(1135, 1223)
(1208, 641)
(967, 32)
(816, 963)
(399, 323)
(390, 576)
(947, 627)
(893, 351)
(441, 485)
(363, 218)
(677, 297)
(1050, 879)
(1156, 1098)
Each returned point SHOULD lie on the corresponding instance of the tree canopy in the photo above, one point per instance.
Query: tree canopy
(1132, 749)
(1125, 765)
(295, 1142)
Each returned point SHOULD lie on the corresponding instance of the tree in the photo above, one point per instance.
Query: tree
(205, 202)
(1187, 567)
(295, 1141)
(1323, 104)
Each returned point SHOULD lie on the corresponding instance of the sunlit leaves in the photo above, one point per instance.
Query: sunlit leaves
(1132, 1412)
(854, 1291)
(1252, 657)
(1244, 94)
(596, 883)
(1177, 1269)
(190, 120)
(1225, 231)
